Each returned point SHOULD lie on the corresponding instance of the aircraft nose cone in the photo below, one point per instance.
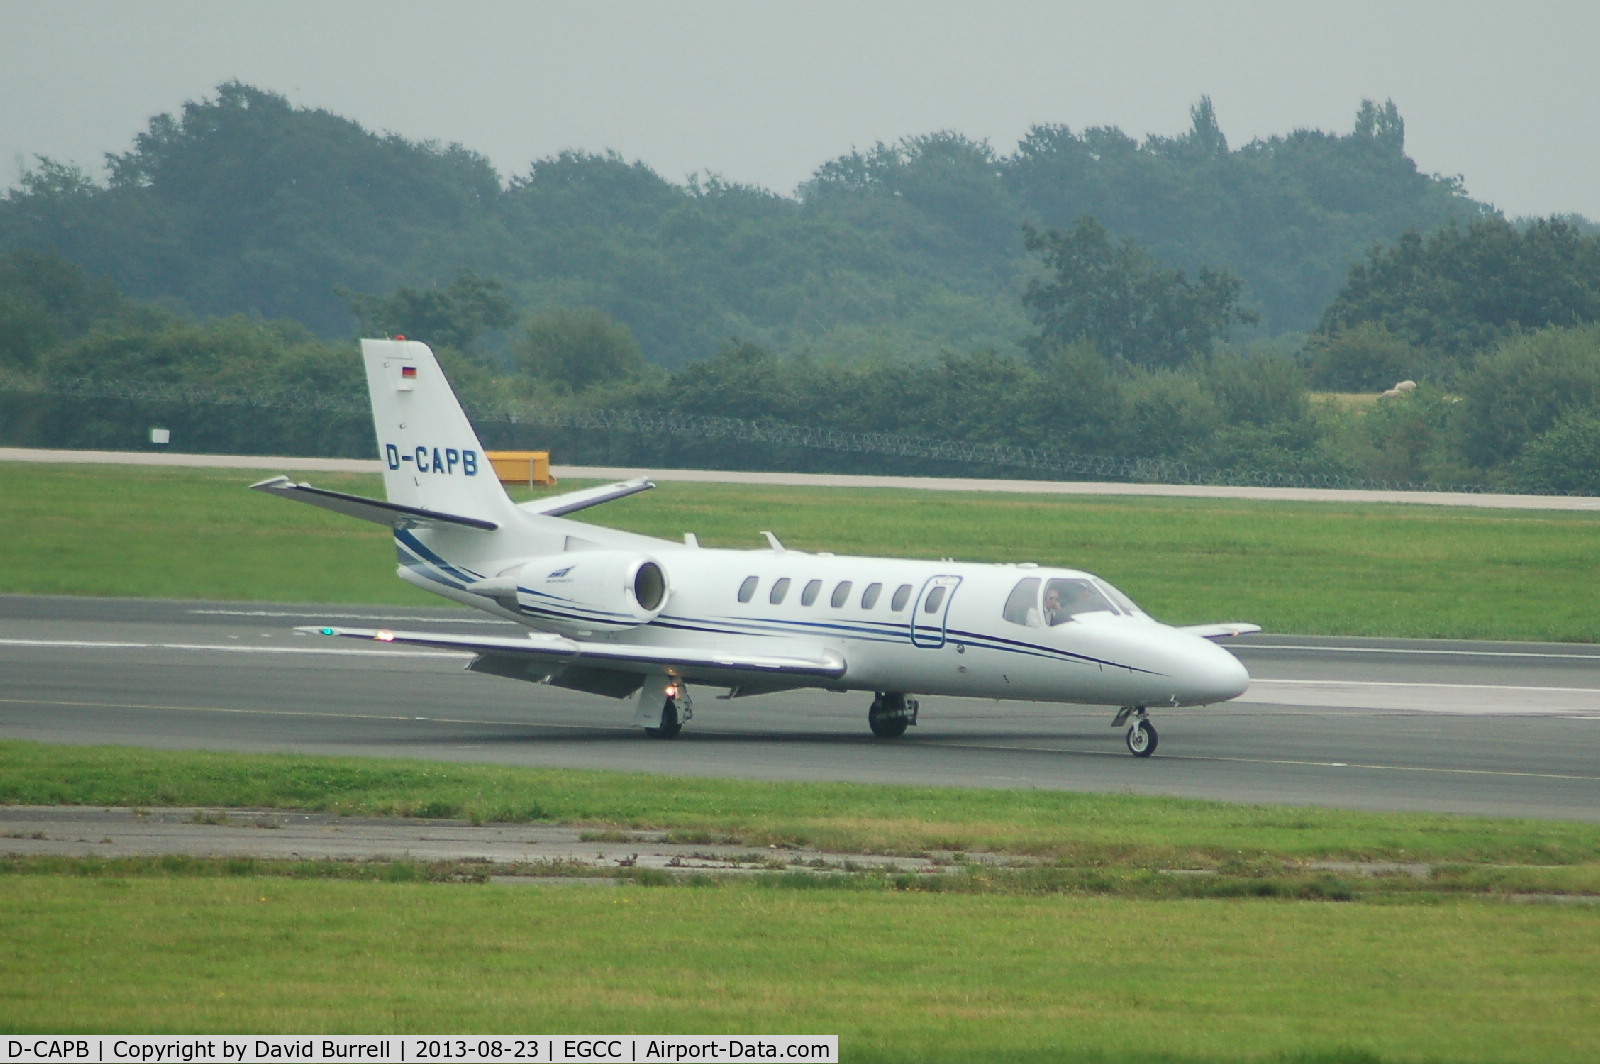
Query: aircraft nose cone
(1215, 676)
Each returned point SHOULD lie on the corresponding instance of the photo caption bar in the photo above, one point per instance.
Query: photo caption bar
(413, 1049)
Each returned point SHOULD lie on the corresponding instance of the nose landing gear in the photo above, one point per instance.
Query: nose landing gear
(1141, 737)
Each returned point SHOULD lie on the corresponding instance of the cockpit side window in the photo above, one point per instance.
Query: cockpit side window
(1023, 602)
(1067, 599)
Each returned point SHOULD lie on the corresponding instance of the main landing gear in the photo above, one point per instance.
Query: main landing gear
(891, 714)
(1142, 737)
(676, 708)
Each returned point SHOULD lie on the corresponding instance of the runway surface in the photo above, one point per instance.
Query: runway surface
(1491, 728)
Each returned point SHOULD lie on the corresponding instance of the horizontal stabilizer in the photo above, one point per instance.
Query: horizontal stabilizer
(1220, 630)
(573, 501)
(558, 651)
(392, 514)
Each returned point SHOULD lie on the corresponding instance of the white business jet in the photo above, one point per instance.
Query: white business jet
(614, 613)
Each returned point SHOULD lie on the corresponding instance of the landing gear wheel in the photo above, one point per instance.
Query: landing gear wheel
(891, 715)
(886, 727)
(671, 722)
(1142, 738)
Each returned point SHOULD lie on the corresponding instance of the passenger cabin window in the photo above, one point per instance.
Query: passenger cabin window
(869, 597)
(747, 589)
(841, 594)
(902, 595)
(779, 589)
(935, 597)
(809, 595)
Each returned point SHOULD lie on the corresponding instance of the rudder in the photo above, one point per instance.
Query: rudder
(431, 455)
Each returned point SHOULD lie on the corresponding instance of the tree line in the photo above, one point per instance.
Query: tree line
(244, 203)
(1519, 409)
(912, 302)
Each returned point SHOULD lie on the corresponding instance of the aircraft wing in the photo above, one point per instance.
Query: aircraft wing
(1221, 630)
(630, 657)
(392, 514)
(573, 501)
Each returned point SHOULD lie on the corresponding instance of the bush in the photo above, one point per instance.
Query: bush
(1565, 459)
(1518, 390)
(1364, 358)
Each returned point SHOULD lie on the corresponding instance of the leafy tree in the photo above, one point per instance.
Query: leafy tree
(1410, 439)
(452, 316)
(578, 348)
(1459, 290)
(937, 197)
(1521, 388)
(1565, 458)
(1255, 389)
(1123, 301)
(1366, 356)
(45, 300)
(245, 203)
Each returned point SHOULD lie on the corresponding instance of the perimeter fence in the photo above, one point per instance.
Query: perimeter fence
(89, 412)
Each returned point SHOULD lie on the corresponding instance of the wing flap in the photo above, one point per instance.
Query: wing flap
(379, 512)
(633, 657)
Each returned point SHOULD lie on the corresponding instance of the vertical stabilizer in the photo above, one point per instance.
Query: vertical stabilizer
(431, 456)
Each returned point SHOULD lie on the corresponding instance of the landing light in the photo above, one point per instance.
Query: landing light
(384, 636)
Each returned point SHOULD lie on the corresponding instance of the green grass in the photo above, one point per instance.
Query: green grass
(1086, 949)
(1091, 830)
(899, 977)
(1328, 568)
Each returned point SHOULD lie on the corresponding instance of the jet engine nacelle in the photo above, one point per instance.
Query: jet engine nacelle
(598, 590)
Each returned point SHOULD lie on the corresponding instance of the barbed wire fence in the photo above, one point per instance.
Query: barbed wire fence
(1038, 462)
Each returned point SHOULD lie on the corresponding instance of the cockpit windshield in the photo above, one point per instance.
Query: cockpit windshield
(1039, 602)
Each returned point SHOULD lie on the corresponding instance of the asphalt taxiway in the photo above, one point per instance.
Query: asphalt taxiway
(1504, 729)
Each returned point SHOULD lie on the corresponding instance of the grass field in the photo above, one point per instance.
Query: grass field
(1088, 830)
(1323, 568)
(1088, 948)
(899, 977)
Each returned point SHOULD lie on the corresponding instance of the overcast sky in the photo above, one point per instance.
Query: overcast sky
(1507, 95)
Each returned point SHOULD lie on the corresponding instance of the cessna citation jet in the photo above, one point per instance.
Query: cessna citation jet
(619, 614)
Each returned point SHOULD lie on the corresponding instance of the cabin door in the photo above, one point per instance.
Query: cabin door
(929, 611)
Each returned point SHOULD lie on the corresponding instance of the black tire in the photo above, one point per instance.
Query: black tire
(887, 726)
(671, 722)
(1142, 738)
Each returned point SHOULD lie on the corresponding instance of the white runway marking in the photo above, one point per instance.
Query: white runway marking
(88, 644)
(1456, 698)
(1423, 651)
(428, 618)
